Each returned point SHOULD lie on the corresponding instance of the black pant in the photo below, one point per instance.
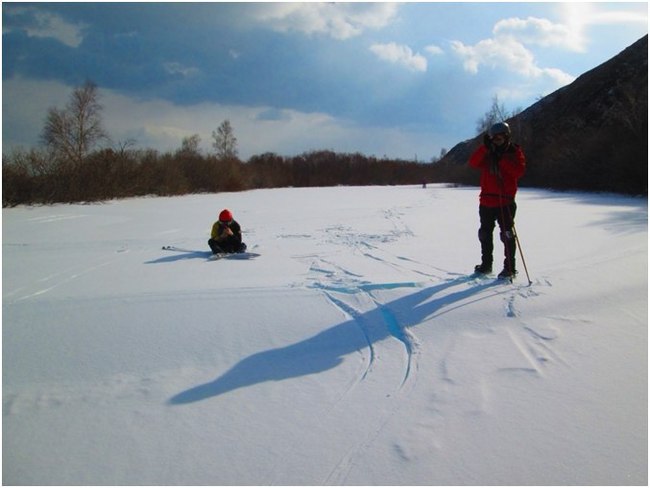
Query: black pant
(505, 216)
(226, 246)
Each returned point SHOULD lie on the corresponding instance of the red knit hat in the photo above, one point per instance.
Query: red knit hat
(225, 215)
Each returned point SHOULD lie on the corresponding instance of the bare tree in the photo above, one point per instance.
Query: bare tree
(73, 131)
(497, 113)
(190, 144)
(225, 142)
(123, 147)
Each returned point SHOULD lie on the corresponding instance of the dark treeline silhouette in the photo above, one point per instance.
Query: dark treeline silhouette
(34, 177)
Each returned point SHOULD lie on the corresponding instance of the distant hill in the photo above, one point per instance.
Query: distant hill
(589, 135)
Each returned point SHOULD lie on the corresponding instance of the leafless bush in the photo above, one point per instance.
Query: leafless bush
(72, 132)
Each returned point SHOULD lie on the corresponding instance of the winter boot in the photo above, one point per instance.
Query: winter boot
(483, 268)
(507, 274)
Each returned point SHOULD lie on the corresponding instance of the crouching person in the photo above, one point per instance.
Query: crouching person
(226, 235)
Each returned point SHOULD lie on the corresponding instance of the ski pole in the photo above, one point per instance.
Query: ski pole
(518, 245)
(514, 231)
(521, 253)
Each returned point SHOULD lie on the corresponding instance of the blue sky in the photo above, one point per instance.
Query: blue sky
(386, 79)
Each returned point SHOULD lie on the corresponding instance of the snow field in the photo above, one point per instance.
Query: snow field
(354, 350)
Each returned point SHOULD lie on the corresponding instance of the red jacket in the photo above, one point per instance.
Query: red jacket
(499, 184)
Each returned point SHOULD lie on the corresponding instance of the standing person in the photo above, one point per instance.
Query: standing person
(502, 163)
(226, 235)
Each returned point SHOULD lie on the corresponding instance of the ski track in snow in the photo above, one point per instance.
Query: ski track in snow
(533, 344)
(357, 298)
(48, 283)
(353, 296)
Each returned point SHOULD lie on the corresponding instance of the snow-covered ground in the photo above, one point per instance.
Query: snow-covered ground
(355, 350)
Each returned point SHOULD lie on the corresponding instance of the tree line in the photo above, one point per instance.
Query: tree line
(31, 177)
(71, 166)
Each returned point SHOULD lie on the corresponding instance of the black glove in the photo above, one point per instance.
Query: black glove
(487, 141)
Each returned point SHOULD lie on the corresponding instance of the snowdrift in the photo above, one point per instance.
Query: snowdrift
(355, 350)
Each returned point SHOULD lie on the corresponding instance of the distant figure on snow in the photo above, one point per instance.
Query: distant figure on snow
(502, 163)
(226, 235)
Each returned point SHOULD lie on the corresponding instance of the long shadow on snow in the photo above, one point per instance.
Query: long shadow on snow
(326, 349)
(181, 255)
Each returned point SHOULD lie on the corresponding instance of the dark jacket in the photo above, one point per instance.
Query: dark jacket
(227, 235)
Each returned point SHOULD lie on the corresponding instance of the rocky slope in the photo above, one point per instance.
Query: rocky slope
(589, 135)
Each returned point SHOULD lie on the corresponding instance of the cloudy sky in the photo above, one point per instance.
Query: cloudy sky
(397, 79)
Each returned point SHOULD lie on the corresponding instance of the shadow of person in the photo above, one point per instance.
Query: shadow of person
(319, 353)
(327, 349)
(181, 256)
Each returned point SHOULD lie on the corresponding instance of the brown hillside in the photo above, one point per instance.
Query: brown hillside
(589, 135)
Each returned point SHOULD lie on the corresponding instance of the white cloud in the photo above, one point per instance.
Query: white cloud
(617, 17)
(577, 15)
(540, 32)
(338, 20)
(49, 25)
(507, 49)
(400, 54)
(434, 50)
(508, 54)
